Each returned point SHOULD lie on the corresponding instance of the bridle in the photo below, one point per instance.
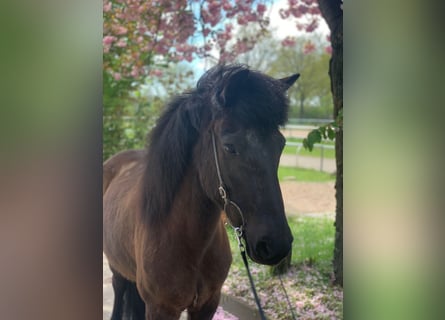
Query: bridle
(239, 232)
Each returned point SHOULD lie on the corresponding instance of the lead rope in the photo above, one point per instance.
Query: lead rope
(239, 234)
(289, 305)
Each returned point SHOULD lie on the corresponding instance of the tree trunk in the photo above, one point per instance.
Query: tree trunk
(302, 98)
(333, 14)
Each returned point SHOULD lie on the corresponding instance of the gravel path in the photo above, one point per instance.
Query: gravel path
(308, 197)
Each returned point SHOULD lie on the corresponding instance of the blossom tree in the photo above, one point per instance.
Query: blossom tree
(140, 36)
(143, 40)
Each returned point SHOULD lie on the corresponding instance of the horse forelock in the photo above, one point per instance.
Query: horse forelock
(264, 103)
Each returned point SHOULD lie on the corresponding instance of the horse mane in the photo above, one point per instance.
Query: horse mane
(257, 100)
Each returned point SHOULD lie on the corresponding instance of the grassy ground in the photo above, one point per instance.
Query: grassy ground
(308, 282)
(303, 175)
(316, 152)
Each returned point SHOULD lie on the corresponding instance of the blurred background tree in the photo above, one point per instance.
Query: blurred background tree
(130, 109)
(310, 97)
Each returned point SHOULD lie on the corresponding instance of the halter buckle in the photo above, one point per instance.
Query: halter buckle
(222, 193)
(239, 234)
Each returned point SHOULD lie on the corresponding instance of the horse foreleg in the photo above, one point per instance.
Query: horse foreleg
(119, 288)
(128, 304)
(206, 311)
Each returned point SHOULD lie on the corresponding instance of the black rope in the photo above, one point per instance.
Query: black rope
(252, 285)
(294, 317)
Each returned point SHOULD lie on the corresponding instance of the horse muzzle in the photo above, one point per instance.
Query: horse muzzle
(269, 251)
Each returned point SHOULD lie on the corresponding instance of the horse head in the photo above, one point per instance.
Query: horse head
(244, 152)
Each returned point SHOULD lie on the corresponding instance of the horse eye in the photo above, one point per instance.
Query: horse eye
(229, 148)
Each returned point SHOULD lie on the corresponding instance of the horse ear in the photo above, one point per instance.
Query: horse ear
(289, 81)
(231, 88)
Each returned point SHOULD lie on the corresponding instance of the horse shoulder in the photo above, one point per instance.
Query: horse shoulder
(119, 163)
(214, 268)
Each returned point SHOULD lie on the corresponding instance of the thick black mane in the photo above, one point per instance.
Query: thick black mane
(256, 100)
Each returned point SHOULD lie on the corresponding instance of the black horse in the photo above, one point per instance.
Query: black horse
(214, 149)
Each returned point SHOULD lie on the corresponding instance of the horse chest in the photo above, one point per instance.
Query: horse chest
(185, 279)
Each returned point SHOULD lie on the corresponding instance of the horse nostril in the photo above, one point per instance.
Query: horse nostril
(263, 249)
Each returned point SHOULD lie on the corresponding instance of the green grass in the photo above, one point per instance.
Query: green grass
(316, 152)
(303, 175)
(313, 242)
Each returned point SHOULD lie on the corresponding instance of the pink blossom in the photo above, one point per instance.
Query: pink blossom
(107, 7)
(142, 29)
(214, 6)
(160, 49)
(120, 30)
(205, 16)
(299, 11)
(309, 47)
(299, 8)
(289, 42)
(227, 6)
(134, 72)
(261, 8)
(314, 11)
(206, 32)
(156, 72)
(117, 76)
(328, 50)
(284, 14)
(242, 20)
(211, 18)
(220, 314)
(312, 26)
(121, 43)
(107, 40)
(188, 57)
(251, 17)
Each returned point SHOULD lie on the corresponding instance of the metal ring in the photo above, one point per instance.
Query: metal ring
(222, 193)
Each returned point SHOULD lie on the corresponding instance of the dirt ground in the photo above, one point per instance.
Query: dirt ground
(308, 197)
